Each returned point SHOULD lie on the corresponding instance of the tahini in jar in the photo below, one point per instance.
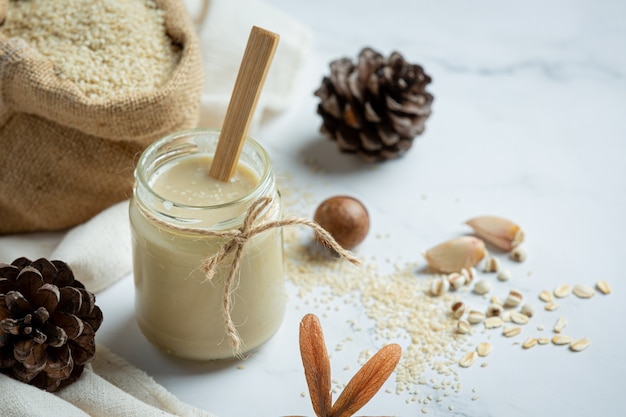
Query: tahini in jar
(174, 202)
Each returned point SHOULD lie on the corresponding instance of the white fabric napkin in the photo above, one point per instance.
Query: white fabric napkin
(99, 252)
(108, 387)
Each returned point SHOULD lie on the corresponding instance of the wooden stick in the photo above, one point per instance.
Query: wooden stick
(252, 73)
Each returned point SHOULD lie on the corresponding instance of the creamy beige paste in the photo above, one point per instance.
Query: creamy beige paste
(187, 181)
(175, 308)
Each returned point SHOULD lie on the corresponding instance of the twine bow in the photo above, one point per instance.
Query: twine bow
(237, 240)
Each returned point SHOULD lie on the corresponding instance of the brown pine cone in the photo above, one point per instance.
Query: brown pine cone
(376, 107)
(48, 321)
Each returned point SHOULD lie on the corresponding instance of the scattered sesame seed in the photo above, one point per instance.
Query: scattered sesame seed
(403, 307)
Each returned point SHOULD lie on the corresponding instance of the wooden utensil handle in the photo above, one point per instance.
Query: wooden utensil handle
(253, 70)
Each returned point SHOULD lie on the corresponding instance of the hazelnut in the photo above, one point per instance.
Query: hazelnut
(345, 218)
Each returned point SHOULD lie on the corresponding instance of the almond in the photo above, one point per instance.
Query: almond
(367, 381)
(456, 254)
(316, 364)
(500, 232)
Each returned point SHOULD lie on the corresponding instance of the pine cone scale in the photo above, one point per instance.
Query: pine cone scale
(84, 346)
(43, 267)
(15, 301)
(4, 310)
(60, 363)
(94, 319)
(347, 142)
(7, 360)
(28, 281)
(388, 137)
(10, 326)
(370, 144)
(88, 304)
(47, 297)
(30, 354)
(350, 118)
(64, 276)
(71, 300)
(57, 336)
(71, 325)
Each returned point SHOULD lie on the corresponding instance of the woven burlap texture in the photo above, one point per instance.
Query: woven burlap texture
(65, 157)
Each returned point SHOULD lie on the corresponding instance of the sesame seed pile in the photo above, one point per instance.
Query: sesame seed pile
(105, 48)
(398, 304)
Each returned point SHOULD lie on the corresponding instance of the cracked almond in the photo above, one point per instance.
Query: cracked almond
(546, 296)
(560, 324)
(463, 327)
(493, 322)
(500, 232)
(561, 339)
(583, 291)
(456, 254)
(580, 345)
(562, 290)
(475, 316)
(603, 287)
(519, 318)
(513, 299)
(468, 360)
(551, 306)
(519, 254)
(530, 342)
(511, 331)
(483, 349)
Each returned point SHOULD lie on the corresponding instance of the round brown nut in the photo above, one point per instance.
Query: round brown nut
(345, 218)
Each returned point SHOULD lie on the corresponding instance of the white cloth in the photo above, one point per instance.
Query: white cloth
(99, 252)
(108, 387)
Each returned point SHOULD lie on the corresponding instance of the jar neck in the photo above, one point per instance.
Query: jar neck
(200, 142)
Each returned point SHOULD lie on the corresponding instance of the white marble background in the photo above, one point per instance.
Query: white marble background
(528, 122)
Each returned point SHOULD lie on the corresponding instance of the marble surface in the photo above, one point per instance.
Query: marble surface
(528, 122)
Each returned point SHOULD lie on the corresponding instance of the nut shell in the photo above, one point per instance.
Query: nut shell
(345, 218)
(500, 232)
(456, 254)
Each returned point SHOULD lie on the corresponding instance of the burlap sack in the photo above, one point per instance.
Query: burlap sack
(64, 157)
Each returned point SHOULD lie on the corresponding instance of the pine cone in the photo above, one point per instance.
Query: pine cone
(376, 107)
(47, 323)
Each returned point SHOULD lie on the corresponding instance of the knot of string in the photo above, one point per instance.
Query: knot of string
(253, 224)
(236, 241)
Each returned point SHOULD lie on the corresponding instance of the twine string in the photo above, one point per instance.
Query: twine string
(236, 240)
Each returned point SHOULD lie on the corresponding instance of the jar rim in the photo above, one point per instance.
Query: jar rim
(149, 154)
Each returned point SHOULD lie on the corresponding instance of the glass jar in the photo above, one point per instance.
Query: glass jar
(176, 307)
